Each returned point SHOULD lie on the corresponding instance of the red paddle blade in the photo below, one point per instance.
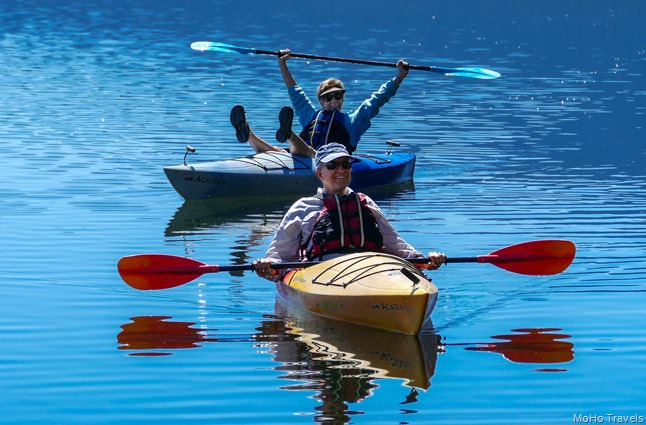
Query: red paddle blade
(157, 271)
(537, 258)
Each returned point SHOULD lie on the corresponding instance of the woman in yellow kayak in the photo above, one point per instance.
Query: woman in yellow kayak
(335, 221)
(321, 125)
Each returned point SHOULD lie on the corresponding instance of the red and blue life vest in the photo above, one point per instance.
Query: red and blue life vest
(346, 224)
(327, 127)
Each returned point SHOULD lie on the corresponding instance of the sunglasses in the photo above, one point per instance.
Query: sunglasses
(329, 97)
(334, 165)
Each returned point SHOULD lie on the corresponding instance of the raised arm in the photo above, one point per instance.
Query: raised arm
(285, 55)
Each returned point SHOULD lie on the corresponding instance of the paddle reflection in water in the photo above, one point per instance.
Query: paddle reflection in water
(338, 361)
(532, 345)
(148, 333)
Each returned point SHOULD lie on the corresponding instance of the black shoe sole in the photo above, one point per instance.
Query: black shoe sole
(285, 118)
(239, 122)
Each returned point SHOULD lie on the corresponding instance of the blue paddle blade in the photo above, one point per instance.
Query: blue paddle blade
(220, 47)
(482, 73)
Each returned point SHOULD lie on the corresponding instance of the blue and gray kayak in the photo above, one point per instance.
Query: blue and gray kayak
(282, 174)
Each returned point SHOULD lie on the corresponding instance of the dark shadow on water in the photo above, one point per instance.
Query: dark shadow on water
(195, 216)
(198, 215)
(260, 219)
(259, 216)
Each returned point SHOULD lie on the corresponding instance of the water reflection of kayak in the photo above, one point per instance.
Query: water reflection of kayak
(281, 174)
(352, 351)
(196, 215)
(340, 362)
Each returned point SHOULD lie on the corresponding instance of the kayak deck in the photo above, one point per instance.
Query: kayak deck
(281, 174)
(370, 289)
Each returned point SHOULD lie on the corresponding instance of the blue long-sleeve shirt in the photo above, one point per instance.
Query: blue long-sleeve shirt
(357, 121)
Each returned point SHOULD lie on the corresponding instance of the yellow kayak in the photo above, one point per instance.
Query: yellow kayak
(370, 289)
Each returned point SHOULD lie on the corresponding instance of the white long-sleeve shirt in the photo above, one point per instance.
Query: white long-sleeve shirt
(298, 223)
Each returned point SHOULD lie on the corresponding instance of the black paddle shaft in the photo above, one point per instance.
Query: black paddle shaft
(357, 61)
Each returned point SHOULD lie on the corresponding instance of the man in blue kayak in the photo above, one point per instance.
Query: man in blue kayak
(335, 221)
(321, 125)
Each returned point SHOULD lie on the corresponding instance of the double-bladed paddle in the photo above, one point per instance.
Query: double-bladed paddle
(215, 46)
(159, 271)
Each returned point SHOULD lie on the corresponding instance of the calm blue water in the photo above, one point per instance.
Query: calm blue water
(97, 97)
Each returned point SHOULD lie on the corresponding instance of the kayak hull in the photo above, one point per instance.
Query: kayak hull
(281, 174)
(370, 289)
